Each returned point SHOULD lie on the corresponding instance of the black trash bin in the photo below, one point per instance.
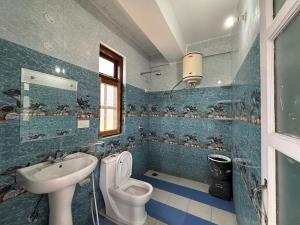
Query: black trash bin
(220, 168)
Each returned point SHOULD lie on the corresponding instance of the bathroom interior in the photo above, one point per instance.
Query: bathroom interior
(149, 112)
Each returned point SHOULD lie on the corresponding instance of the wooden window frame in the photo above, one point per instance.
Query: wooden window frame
(116, 81)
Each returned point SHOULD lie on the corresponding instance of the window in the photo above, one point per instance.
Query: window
(110, 76)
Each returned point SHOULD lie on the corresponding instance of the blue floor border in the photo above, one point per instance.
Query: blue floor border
(173, 216)
(190, 193)
(102, 221)
(166, 214)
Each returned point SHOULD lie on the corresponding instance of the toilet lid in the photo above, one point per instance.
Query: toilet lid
(123, 168)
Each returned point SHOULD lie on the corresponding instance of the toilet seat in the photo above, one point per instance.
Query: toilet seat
(133, 192)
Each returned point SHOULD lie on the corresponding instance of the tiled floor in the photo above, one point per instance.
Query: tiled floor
(210, 213)
(179, 201)
(178, 180)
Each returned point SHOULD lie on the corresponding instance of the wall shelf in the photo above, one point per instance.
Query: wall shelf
(228, 101)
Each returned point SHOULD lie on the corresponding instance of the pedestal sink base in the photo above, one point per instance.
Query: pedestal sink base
(58, 179)
(60, 206)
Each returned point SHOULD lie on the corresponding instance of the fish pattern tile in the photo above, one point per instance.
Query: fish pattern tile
(247, 138)
(244, 109)
(183, 130)
(14, 200)
(168, 132)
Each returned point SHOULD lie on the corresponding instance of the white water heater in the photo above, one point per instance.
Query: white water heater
(192, 68)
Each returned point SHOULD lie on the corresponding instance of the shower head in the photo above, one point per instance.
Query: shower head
(156, 72)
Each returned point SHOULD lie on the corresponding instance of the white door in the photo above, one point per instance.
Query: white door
(280, 85)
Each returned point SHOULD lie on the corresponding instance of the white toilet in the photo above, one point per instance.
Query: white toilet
(124, 197)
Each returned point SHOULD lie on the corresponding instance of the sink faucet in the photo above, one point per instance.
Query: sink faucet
(58, 157)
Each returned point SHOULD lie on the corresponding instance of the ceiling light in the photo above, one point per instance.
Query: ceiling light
(229, 22)
(57, 69)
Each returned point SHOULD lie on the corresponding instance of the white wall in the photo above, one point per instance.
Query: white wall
(217, 60)
(170, 75)
(74, 36)
(216, 66)
(223, 56)
(245, 32)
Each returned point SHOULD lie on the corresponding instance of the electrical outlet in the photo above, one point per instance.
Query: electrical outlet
(83, 123)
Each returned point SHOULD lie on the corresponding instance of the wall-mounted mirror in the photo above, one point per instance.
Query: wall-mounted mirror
(48, 106)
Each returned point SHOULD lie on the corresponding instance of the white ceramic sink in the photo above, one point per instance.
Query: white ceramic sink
(49, 177)
(59, 180)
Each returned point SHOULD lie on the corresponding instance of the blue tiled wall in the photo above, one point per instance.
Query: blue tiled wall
(246, 137)
(180, 160)
(168, 132)
(12, 153)
(186, 126)
(189, 124)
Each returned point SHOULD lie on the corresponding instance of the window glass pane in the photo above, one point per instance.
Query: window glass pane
(111, 95)
(106, 67)
(287, 193)
(111, 119)
(102, 120)
(287, 80)
(277, 4)
(110, 90)
(102, 94)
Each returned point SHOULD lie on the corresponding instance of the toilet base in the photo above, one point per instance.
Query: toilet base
(103, 213)
(129, 215)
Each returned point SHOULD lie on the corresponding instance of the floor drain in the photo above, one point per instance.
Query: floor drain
(154, 174)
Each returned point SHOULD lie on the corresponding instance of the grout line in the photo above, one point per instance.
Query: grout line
(191, 193)
(178, 182)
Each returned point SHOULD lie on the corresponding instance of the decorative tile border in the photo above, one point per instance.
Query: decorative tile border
(253, 120)
(193, 145)
(10, 108)
(246, 109)
(13, 111)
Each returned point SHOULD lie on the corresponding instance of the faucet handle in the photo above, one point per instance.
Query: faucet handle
(57, 153)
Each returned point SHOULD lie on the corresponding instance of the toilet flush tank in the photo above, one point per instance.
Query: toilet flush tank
(192, 68)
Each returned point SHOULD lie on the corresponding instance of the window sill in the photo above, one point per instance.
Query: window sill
(111, 136)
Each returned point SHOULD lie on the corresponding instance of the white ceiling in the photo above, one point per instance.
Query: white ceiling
(116, 18)
(165, 27)
(203, 19)
(157, 20)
